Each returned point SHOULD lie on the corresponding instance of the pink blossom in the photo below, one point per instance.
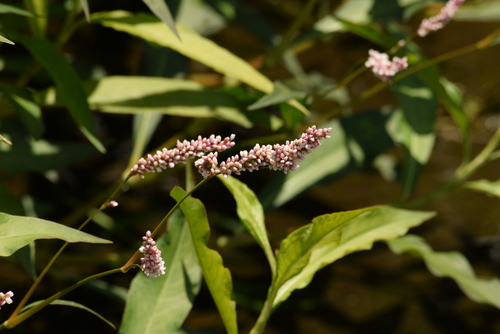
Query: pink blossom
(440, 20)
(5, 298)
(283, 157)
(184, 150)
(384, 68)
(152, 264)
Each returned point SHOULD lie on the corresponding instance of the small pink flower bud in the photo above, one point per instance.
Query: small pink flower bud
(6, 298)
(112, 204)
(152, 264)
(384, 68)
(440, 20)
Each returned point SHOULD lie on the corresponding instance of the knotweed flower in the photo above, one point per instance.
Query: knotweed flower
(152, 264)
(384, 68)
(6, 298)
(440, 20)
(112, 204)
(184, 150)
(283, 157)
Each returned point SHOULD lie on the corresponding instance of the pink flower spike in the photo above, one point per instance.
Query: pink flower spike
(6, 298)
(440, 20)
(184, 150)
(283, 157)
(152, 264)
(384, 68)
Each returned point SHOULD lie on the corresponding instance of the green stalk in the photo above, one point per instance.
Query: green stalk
(10, 323)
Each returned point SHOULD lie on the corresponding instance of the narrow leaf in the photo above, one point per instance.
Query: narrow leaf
(161, 11)
(453, 265)
(160, 305)
(280, 93)
(251, 214)
(193, 46)
(18, 231)
(333, 236)
(485, 186)
(67, 83)
(6, 9)
(217, 277)
(28, 110)
(6, 40)
(86, 11)
(72, 304)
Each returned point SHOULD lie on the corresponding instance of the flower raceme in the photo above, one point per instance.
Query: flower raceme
(384, 68)
(6, 298)
(440, 20)
(283, 157)
(152, 264)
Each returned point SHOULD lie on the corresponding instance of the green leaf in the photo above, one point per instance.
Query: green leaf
(453, 265)
(333, 236)
(144, 95)
(6, 9)
(413, 127)
(370, 33)
(354, 141)
(6, 40)
(67, 83)
(193, 46)
(72, 304)
(18, 231)
(29, 111)
(251, 215)
(479, 12)
(29, 154)
(160, 305)
(485, 186)
(217, 277)
(280, 93)
(161, 11)
(85, 7)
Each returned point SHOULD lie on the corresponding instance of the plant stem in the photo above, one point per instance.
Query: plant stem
(10, 323)
(137, 254)
(54, 258)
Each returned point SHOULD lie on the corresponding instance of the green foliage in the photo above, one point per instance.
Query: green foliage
(18, 231)
(160, 305)
(453, 265)
(216, 276)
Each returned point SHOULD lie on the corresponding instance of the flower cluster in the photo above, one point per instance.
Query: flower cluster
(5, 298)
(184, 150)
(384, 68)
(152, 264)
(440, 20)
(277, 157)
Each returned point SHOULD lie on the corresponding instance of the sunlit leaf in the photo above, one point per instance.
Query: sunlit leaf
(144, 95)
(331, 237)
(280, 93)
(485, 186)
(488, 11)
(6, 40)
(453, 265)
(193, 46)
(251, 214)
(67, 82)
(85, 7)
(18, 231)
(29, 112)
(216, 276)
(413, 127)
(160, 305)
(161, 11)
(72, 304)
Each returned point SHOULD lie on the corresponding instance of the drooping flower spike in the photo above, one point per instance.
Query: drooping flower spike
(384, 68)
(283, 157)
(184, 150)
(152, 264)
(440, 20)
(6, 298)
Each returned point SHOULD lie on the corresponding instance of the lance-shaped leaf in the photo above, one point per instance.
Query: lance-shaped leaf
(333, 236)
(217, 277)
(453, 265)
(280, 93)
(15, 10)
(67, 82)
(485, 186)
(18, 231)
(193, 46)
(161, 11)
(160, 305)
(251, 214)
